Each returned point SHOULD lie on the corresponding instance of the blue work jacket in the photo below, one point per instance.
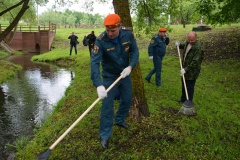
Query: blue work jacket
(157, 46)
(113, 56)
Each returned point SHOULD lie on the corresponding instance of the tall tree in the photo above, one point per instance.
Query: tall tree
(139, 103)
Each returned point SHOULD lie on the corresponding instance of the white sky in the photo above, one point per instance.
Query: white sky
(100, 8)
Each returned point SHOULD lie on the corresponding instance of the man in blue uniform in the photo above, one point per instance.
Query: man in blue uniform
(156, 51)
(117, 52)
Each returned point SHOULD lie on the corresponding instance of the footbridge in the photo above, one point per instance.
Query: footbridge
(29, 38)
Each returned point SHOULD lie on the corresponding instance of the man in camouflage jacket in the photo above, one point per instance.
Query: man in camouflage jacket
(191, 57)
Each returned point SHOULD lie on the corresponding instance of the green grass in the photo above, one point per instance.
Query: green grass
(3, 54)
(7, 70)
(212, 134)
(4, 22)
(19, 144)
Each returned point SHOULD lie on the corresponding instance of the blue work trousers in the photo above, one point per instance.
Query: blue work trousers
(157, 62)
(107, 110)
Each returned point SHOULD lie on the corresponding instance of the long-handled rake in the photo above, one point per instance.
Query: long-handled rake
(188, 106)
(44, 155)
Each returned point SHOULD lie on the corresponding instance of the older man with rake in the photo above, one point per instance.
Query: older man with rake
(190, 62)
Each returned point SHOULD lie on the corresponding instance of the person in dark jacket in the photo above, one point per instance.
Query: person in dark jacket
(73, 42)
(91, 40)
(192, 57)
(117, 52)
(156, 51)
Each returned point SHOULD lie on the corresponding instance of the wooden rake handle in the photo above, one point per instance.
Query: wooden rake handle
(184, 82)
(81, 117)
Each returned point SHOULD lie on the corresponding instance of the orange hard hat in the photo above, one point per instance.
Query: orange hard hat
(162, 30)
(112, 21)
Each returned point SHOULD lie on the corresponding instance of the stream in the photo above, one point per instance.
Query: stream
(28, 98)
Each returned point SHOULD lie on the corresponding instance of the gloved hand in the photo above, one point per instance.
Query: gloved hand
(102, 93)
(151, 57)
(126, 72)
(177, 43)
(182, 72)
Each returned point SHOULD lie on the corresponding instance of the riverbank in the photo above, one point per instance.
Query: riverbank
(7, 69)
(211, 134)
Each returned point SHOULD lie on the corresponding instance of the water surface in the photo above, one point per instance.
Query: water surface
(27, 99)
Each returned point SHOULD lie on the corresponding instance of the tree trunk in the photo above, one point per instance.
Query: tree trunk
(16, 19)
(181, 11)
(139, 104)
(183, 22)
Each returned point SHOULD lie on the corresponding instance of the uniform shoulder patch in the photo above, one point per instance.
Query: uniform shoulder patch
(95, 50)
(101, 36)
(152, 41)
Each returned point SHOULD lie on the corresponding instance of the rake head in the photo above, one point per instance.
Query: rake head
(44, 155)
(187, 108)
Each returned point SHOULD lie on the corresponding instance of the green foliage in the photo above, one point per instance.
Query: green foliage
(220, 11)
(211, 134)
(69, 17)
(149, 14)
(183, 12)
(152, 13)
(29, 16)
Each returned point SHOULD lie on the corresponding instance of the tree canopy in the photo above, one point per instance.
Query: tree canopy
(220, 11)
(69, 17)
(155, 12)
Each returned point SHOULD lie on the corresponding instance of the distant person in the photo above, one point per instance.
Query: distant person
(91, 40)
(85, 41)
(191, 57)
(73, 42)
(156, 51)
(115, 53)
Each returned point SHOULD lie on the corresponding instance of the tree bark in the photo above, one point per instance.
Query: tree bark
(16, 19)
(139, 103)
